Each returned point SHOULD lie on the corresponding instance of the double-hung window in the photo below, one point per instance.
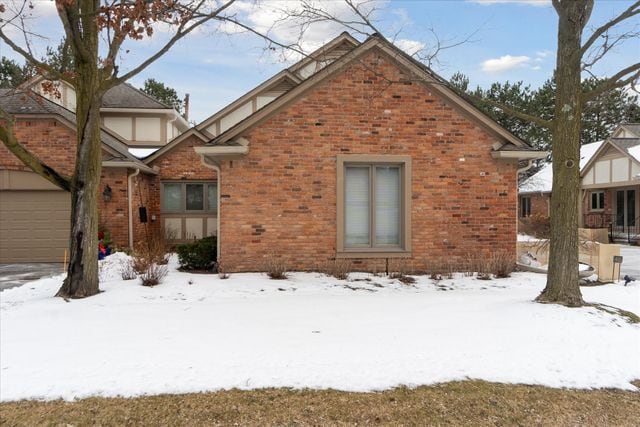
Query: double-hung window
(597, 200)
(373, 205)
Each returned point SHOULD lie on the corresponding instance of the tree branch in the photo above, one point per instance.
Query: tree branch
(507, 109)
(49, 72)
(631, 11)
(8, 137)
(620, 79)
(182, 31)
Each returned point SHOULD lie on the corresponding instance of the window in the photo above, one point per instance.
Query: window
(373, 205)
(189, 197)
(525, 207)
(597, 200)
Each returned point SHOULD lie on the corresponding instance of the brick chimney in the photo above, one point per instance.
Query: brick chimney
(186, 107)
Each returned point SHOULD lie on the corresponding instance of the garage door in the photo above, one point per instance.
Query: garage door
(34, 225)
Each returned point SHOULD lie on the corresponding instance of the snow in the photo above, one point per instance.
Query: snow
(200, 333)
(541, 181)
(635, 152)
(141, 153)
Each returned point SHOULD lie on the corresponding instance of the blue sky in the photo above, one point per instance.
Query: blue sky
(510, 40)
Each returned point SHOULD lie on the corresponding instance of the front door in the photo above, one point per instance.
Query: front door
(626, 208)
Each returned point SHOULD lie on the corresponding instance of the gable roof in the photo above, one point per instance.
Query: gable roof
(126, 96)
(633, 128)
(175, 141)
(435, 82)
(541, 181)
(29, 103)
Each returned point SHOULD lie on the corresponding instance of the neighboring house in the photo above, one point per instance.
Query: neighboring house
(34, 214)
(358, 152)
(610, 181)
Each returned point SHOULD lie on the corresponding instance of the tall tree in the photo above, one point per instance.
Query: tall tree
(11, 73)
(163, 93)
(99, 33)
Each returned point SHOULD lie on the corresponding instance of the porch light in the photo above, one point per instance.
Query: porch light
(107, 193)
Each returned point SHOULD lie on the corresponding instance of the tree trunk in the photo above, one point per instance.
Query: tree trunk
(562, 280)
(82, 272)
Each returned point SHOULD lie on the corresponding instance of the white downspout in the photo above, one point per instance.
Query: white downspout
(130, 201)
(215, 167)
(526, 168)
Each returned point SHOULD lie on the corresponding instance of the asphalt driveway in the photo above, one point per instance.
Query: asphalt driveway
(12, 275)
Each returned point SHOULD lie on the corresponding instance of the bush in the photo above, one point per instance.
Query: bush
(154, 274)
(276, 268)
(127, 270)
(502, 264)
(338, 268)
(538, 226)
(198, 255)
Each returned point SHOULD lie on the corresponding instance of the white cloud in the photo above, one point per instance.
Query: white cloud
(410, 46)
(543, 53)
(504, 63)
(536, 3)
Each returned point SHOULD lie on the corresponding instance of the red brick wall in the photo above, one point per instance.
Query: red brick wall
(179, 163)
(539, 204)
(282, 197)
(598, 218)
(52, 142)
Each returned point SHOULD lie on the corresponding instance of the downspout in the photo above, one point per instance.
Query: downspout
(130, 202)
(216, 167)
(519, 171)
(526, 168)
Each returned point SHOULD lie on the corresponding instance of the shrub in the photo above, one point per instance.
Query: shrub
(154, 275)
(198, 255)
(502, 264)
(127, 271)
(338, 268)
(400, 270)
(538, 226)
(276, 267)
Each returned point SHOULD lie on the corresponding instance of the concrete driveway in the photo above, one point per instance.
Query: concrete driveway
(12, 275)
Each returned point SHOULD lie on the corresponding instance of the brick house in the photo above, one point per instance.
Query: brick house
(357, 151)
(610, 180)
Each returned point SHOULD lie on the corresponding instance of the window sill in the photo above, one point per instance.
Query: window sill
(596, 210)
(374, 254)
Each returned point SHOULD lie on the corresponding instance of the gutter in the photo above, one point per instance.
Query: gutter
(519, 155)
(216, 167)
(130, 165)
(130, 202)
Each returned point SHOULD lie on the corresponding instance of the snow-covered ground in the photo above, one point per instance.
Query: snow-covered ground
(198, 332)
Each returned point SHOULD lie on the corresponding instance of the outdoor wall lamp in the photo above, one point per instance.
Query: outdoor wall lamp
(107, 193)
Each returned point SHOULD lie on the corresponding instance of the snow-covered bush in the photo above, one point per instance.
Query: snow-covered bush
(154, 275)
(127, 271)
(198, 255)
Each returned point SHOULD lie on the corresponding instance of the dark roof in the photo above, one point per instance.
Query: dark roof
(126, 96)
(17, 102)
(626, 143)
(633, 127)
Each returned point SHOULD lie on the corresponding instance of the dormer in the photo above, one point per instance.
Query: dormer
(137, 118)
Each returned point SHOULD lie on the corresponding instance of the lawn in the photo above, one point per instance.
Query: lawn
(474, 403)
(198, 333)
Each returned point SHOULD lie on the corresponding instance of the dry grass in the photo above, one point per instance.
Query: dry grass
(338, 268)
(276, 267)
(459, 403)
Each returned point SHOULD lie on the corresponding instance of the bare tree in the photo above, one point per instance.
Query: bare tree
(96, 31)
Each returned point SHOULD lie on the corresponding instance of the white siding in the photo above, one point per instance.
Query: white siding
(264, 100)
(148, 129)
(588, 177)
(123, 126)
(620, 169)
(603, 170)
(236, 116)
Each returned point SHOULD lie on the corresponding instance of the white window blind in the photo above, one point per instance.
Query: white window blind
(172, 197)
(357, 206)
(387, 200)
